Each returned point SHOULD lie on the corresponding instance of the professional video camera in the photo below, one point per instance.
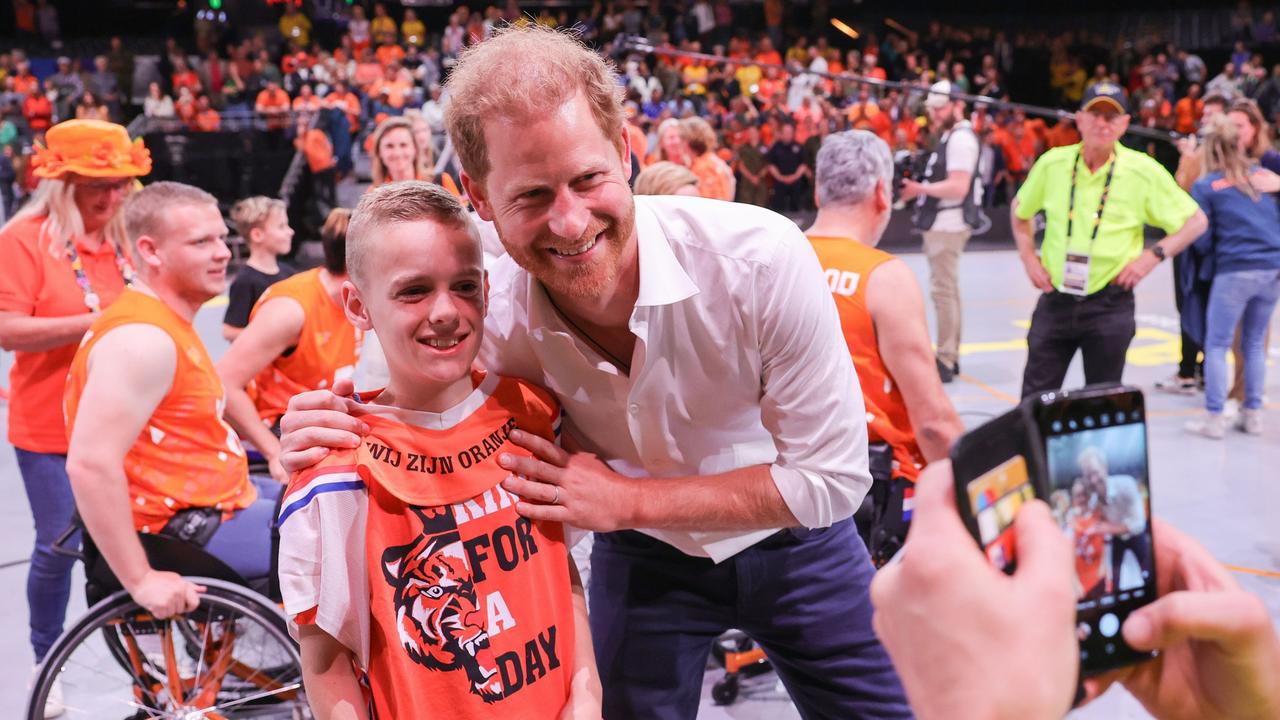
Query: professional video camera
(907, 165)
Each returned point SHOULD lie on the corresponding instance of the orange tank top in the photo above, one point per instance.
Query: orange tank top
(327, 348)
(187, 455)
(848, 265)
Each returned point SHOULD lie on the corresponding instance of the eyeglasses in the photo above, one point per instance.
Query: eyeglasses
(106, 185)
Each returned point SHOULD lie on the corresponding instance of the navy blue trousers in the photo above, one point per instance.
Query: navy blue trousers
(801, 594)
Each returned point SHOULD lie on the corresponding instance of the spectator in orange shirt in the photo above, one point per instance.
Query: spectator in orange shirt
(37, 108)
(1062, 134)
(184, 76)
(397, 85)
(389, 55)
(273, 103)
(24, 82)
(307, 102)
(368, 70)
(871, 68)
(206, 119)
(341, 98)
(715, 179)
(767, 55)
(45, 310)
(1188, 110)
(185, 107)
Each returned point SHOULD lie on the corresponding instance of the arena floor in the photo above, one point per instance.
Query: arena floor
(1218, 491)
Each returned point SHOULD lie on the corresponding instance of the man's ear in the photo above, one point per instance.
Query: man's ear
(626, 152)
(353, 305)
(479, 201)
(148, 251)
(883, 201)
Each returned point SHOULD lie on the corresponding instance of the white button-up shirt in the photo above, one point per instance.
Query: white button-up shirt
(738, 361)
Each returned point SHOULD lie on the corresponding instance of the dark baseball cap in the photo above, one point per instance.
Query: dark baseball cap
(1105, 92)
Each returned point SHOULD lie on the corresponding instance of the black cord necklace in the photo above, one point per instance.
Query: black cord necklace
(617, 362)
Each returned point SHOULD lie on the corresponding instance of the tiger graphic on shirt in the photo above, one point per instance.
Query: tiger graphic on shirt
(438, 615)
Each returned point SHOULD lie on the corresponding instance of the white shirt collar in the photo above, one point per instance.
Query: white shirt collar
(663, 280)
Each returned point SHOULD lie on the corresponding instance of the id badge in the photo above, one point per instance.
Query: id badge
(1075, 274)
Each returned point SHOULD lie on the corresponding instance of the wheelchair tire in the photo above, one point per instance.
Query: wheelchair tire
(240, 680)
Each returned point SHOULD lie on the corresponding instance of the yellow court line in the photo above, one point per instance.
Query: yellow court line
(998, 394)
(1253, 571)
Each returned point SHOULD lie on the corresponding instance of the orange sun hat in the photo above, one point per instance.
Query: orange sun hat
(91, 148)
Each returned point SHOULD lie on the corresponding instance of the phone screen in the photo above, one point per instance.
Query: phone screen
(1099, 493)
(994, 499)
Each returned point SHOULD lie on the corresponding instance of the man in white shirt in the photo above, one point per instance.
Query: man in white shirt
(948, 206)
(710, 400)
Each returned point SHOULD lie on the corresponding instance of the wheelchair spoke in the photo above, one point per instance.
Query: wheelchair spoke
(251, 698)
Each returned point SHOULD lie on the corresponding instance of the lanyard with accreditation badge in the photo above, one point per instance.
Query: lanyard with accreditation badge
(1075, 272)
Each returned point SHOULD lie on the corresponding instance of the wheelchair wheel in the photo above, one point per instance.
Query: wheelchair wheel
(231, 657)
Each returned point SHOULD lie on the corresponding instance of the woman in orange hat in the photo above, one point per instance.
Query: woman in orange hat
(63, 258)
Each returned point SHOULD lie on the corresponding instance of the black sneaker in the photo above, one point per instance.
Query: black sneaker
(945, 372)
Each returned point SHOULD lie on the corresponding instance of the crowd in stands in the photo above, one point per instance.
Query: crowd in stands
(767, 104)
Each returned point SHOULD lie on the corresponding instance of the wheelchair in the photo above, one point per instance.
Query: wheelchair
(231, 657)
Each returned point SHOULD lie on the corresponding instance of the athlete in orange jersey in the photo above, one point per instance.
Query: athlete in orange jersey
(144, 406)
(880, 304)
(298, 338)
(454, 599)
(881, 309)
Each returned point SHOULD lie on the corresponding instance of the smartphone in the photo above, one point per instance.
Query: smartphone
(994, 466)
(1098, 488)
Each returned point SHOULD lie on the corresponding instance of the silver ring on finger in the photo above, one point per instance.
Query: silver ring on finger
(555, 500)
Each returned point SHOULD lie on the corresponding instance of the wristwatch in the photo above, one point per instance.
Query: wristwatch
(1158, 252)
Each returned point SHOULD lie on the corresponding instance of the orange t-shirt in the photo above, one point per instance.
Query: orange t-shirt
(187, 456)
(26, 84)
(388, 54)
(1088, 551)
(461, 603)
(327, 348)
(848, 265)
(312, 104)
(37, 284)
(715, 179)
(1187, 113)
(208, 120)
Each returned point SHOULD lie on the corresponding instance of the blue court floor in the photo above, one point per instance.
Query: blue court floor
(1220, 492)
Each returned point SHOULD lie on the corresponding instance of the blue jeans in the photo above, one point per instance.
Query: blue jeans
(244, 541)
(49, 579)
(1245, 298)
(801, 594)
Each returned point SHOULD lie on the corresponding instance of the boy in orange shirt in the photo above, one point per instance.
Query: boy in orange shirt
(404, 560)
(297, 339)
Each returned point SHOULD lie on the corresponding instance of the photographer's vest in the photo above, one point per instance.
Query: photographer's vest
(935, 170)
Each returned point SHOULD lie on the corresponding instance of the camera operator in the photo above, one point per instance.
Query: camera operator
(948, 204)
(969, 640)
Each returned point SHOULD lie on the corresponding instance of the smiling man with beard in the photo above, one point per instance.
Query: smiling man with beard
(718, 435)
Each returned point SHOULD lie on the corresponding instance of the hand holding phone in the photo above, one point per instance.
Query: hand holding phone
(965, 635)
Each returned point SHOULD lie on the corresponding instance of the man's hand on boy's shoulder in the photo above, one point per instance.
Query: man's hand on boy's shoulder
(317, 421)
(564, 484)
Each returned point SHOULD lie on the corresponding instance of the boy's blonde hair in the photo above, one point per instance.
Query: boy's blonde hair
(525, 71)
(252, 212)
(400, 202)
(664, 178)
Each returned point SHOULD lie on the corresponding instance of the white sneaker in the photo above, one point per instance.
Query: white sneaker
(1231, 409)
(1249, 422)
(1177, 385)
(1209, 425)
(53, 704)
